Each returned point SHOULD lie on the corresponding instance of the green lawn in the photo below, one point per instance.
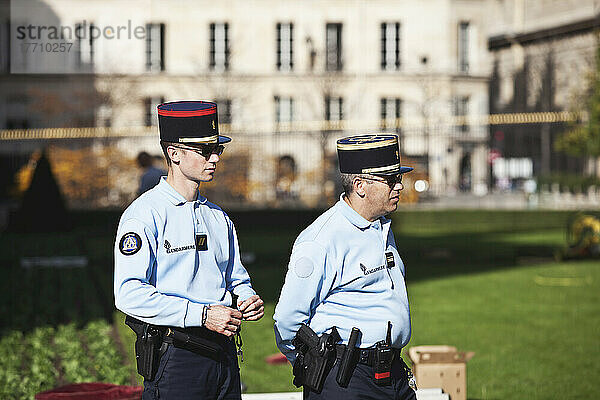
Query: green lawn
(481, 281)
(478, 280)
(534, 329)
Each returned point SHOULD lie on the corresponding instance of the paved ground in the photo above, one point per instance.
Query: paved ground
(512, 201)
(422, 394)
(273, 396)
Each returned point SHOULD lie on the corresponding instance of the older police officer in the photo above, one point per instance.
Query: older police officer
(345, 272)
(177, 268)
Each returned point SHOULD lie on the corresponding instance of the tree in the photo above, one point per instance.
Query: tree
(583, 137)
(42, 207)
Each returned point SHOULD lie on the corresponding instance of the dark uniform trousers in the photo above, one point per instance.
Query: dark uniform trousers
(362, 385)
(183, 375)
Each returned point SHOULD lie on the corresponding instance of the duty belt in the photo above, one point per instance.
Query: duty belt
(199, 340)
(365, 356)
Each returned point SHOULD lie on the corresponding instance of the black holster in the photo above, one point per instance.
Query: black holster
(347, 361)
(147, 346)
(315, 357)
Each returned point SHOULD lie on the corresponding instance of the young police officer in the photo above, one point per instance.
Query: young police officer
(345, 272)
(177, 268)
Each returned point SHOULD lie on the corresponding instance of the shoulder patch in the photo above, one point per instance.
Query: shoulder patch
(304, 267)
(130, 243)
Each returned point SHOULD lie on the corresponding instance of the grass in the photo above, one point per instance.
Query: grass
(475, 221)
(532, 327)
(532, 335)
(482, 281)
(259, 342)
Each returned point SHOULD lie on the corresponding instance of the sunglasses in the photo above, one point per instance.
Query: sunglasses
(391, 181)
(205, 150)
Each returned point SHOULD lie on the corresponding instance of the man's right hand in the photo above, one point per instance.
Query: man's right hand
(223, 320)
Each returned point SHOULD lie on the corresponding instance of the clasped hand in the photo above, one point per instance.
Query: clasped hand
(226, 320)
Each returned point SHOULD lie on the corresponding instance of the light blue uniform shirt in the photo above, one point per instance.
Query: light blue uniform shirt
(160, 276)
(339, 276)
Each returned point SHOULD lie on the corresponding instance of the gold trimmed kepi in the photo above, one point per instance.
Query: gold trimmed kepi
(370, 154)
(193, 122)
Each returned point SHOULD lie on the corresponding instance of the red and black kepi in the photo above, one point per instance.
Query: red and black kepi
(192, 122)
(370, 154)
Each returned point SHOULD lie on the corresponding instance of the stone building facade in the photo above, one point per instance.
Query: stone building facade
(543, 52)
(289, 76)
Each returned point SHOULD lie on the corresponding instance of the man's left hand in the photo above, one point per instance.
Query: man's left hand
(252, 308)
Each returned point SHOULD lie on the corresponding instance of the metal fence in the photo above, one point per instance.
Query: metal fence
(290, 165)
(287, 169)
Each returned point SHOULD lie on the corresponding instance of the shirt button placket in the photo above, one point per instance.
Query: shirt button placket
(196, 217)
(379, 227)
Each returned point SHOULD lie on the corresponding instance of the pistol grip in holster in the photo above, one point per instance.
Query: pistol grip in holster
(315, 357)
(147, 347)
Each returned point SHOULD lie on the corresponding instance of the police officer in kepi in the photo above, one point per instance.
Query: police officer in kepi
(343, 315)
(178, 274)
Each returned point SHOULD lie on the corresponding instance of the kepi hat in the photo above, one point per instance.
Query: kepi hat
(192, 122)
(370, 154)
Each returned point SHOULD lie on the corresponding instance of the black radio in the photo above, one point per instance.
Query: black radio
(384, 356)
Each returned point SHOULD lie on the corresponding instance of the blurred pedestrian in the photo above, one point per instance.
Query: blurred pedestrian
(345, 272)
(150, 173)
(178, 274)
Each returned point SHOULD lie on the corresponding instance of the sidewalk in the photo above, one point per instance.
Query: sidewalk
(273, 396)
(422, 394)
(512, 201)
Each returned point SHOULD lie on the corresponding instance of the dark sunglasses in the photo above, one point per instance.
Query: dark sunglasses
(391, 180)
(205, 150)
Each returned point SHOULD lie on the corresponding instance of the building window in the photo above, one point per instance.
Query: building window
(17, 111)
(219, 46)
(224, 110)
(17, 123)
(150, 104)
(5, 47)
(334, 108)
(284, 109)
(155, 47)
(104, 116)
(463, 46)
(334, 47)
(461, 111)
(391, 110)
(390, 46)
(84, 45)
(285, 45)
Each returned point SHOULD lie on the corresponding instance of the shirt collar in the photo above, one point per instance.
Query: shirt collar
(358, 220)
(201, 199)
(386, 224)
(174, 196)
(351, 215)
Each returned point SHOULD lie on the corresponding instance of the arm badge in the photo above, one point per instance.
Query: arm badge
(130, 244)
